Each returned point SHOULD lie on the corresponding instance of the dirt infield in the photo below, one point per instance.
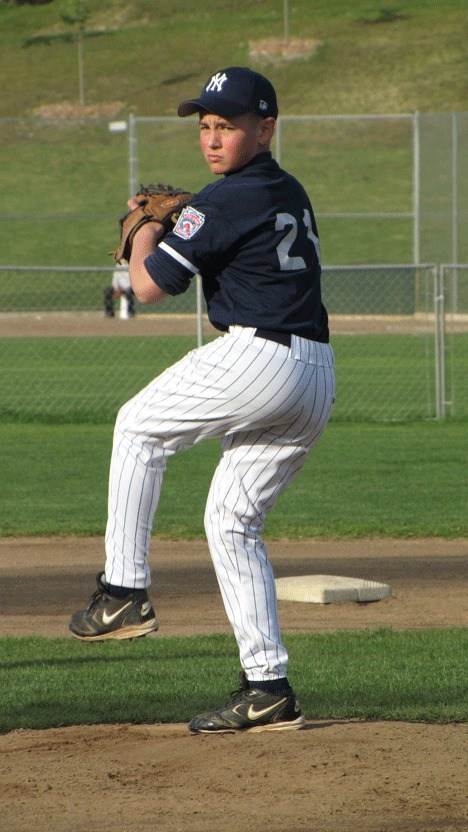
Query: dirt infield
(345, 776)
(88, 324)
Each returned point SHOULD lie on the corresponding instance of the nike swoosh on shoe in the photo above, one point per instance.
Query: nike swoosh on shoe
(253, 714)
(108, 619)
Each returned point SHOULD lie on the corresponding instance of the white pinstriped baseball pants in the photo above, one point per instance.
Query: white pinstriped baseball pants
(269, 404)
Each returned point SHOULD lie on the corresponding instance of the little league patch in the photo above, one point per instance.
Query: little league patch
(189, 222)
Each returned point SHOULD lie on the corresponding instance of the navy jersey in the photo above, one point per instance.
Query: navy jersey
(253, 239)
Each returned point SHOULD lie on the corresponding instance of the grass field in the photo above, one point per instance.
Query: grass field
(63, 187)
(384, 675)
(362, 480)
(68, 180)
(370, 59)
(60, 161)
(379, 377)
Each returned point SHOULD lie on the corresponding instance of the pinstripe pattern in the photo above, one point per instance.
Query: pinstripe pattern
(269, 404)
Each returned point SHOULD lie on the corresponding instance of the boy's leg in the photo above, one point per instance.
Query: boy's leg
(194, 399)
(255, 469)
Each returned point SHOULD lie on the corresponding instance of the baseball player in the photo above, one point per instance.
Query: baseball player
(265, 387)
(121, 287)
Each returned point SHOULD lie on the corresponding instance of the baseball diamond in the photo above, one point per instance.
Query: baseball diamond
(328, 244)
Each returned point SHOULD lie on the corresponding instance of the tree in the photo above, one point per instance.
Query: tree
(76, 13)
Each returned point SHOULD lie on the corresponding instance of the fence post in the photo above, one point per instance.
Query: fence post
(416, 189)
(199, 310)
(132, 157)
(449, 284)
(439, 342)
(454, 194)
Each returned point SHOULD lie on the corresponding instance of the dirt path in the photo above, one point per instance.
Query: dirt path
(342, 776)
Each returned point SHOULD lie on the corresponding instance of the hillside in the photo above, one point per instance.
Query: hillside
(144, 57)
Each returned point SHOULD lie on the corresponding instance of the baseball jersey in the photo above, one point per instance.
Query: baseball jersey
(253, 238)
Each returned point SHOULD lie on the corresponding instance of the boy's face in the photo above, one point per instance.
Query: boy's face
(229, 144)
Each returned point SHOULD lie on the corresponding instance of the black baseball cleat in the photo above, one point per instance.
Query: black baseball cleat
(250, 709)
(108, 617)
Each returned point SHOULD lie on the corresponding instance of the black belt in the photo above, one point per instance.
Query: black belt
(284, 337)
(278, 337)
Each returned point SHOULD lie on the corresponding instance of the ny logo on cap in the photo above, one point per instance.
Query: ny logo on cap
(216, 83)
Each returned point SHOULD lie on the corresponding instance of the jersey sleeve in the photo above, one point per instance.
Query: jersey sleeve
(202, 234)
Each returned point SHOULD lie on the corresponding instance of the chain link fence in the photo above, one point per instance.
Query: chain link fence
(452, 341)
(442, 187)
(398, 331)
(385, 188)
(65, 360)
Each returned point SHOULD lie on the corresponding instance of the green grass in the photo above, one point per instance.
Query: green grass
(362, 480)
(373, 59)
(63, 190)
(62, 290)
(81, 379)
(384, 675)
(74, 380)
(382, 291)
(368, 61)
(354, 172)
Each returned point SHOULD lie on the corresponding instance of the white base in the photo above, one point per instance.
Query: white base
(329, 589)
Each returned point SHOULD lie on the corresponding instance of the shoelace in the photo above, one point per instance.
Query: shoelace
(235, 695)
(95, 598)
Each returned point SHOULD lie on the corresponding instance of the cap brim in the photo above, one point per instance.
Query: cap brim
(226, 109)
(188, 108)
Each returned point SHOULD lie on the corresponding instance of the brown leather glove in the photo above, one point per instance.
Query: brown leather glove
(156, 203)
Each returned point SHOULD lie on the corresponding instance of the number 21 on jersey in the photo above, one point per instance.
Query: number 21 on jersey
(287, 262)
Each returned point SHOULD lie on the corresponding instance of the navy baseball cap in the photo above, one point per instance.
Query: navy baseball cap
(232, 92)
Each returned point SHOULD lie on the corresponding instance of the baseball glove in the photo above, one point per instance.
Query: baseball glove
(156, 203)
